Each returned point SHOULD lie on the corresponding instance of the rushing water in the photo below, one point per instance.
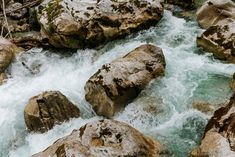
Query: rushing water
(163, 110)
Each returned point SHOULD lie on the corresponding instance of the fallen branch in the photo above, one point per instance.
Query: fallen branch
(2, 29)
(5, 18)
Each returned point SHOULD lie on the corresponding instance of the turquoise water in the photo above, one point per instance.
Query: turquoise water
(163, 110)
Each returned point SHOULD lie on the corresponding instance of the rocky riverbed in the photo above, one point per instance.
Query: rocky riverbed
(148, 83)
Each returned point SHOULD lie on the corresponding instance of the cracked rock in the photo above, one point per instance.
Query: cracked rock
(48, 109)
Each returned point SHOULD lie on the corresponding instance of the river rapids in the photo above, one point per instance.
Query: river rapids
(162, 111)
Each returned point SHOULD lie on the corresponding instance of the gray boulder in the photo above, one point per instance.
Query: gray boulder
(105, 138)
(117, 83)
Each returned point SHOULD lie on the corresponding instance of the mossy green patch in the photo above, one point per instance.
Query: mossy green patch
(53, 10)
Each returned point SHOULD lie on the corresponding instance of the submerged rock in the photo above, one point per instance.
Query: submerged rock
(220, 41)
(48, 109)
(79, 24)
(105, 138)
(215, 12)
(204, 107)
(119, 82)
(219, 135)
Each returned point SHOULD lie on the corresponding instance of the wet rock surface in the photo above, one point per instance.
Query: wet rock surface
(219, 134)
(203, 106)
(119, 82)
(48, 109)
(105, 138)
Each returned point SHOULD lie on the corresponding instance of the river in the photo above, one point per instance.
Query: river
(163, 110)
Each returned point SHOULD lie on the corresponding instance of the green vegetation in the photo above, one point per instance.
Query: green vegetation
(53, 9)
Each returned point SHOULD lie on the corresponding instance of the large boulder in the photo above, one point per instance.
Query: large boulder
(79, 23)
(104, 138)
(119, 82)
(48, 109)
(219, 136)
(215, 12)
(220, 41)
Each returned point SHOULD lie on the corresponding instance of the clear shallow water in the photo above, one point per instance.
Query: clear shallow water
(163, 110)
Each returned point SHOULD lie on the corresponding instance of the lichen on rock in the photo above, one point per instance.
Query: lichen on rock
(105, 138)
(118, 83)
